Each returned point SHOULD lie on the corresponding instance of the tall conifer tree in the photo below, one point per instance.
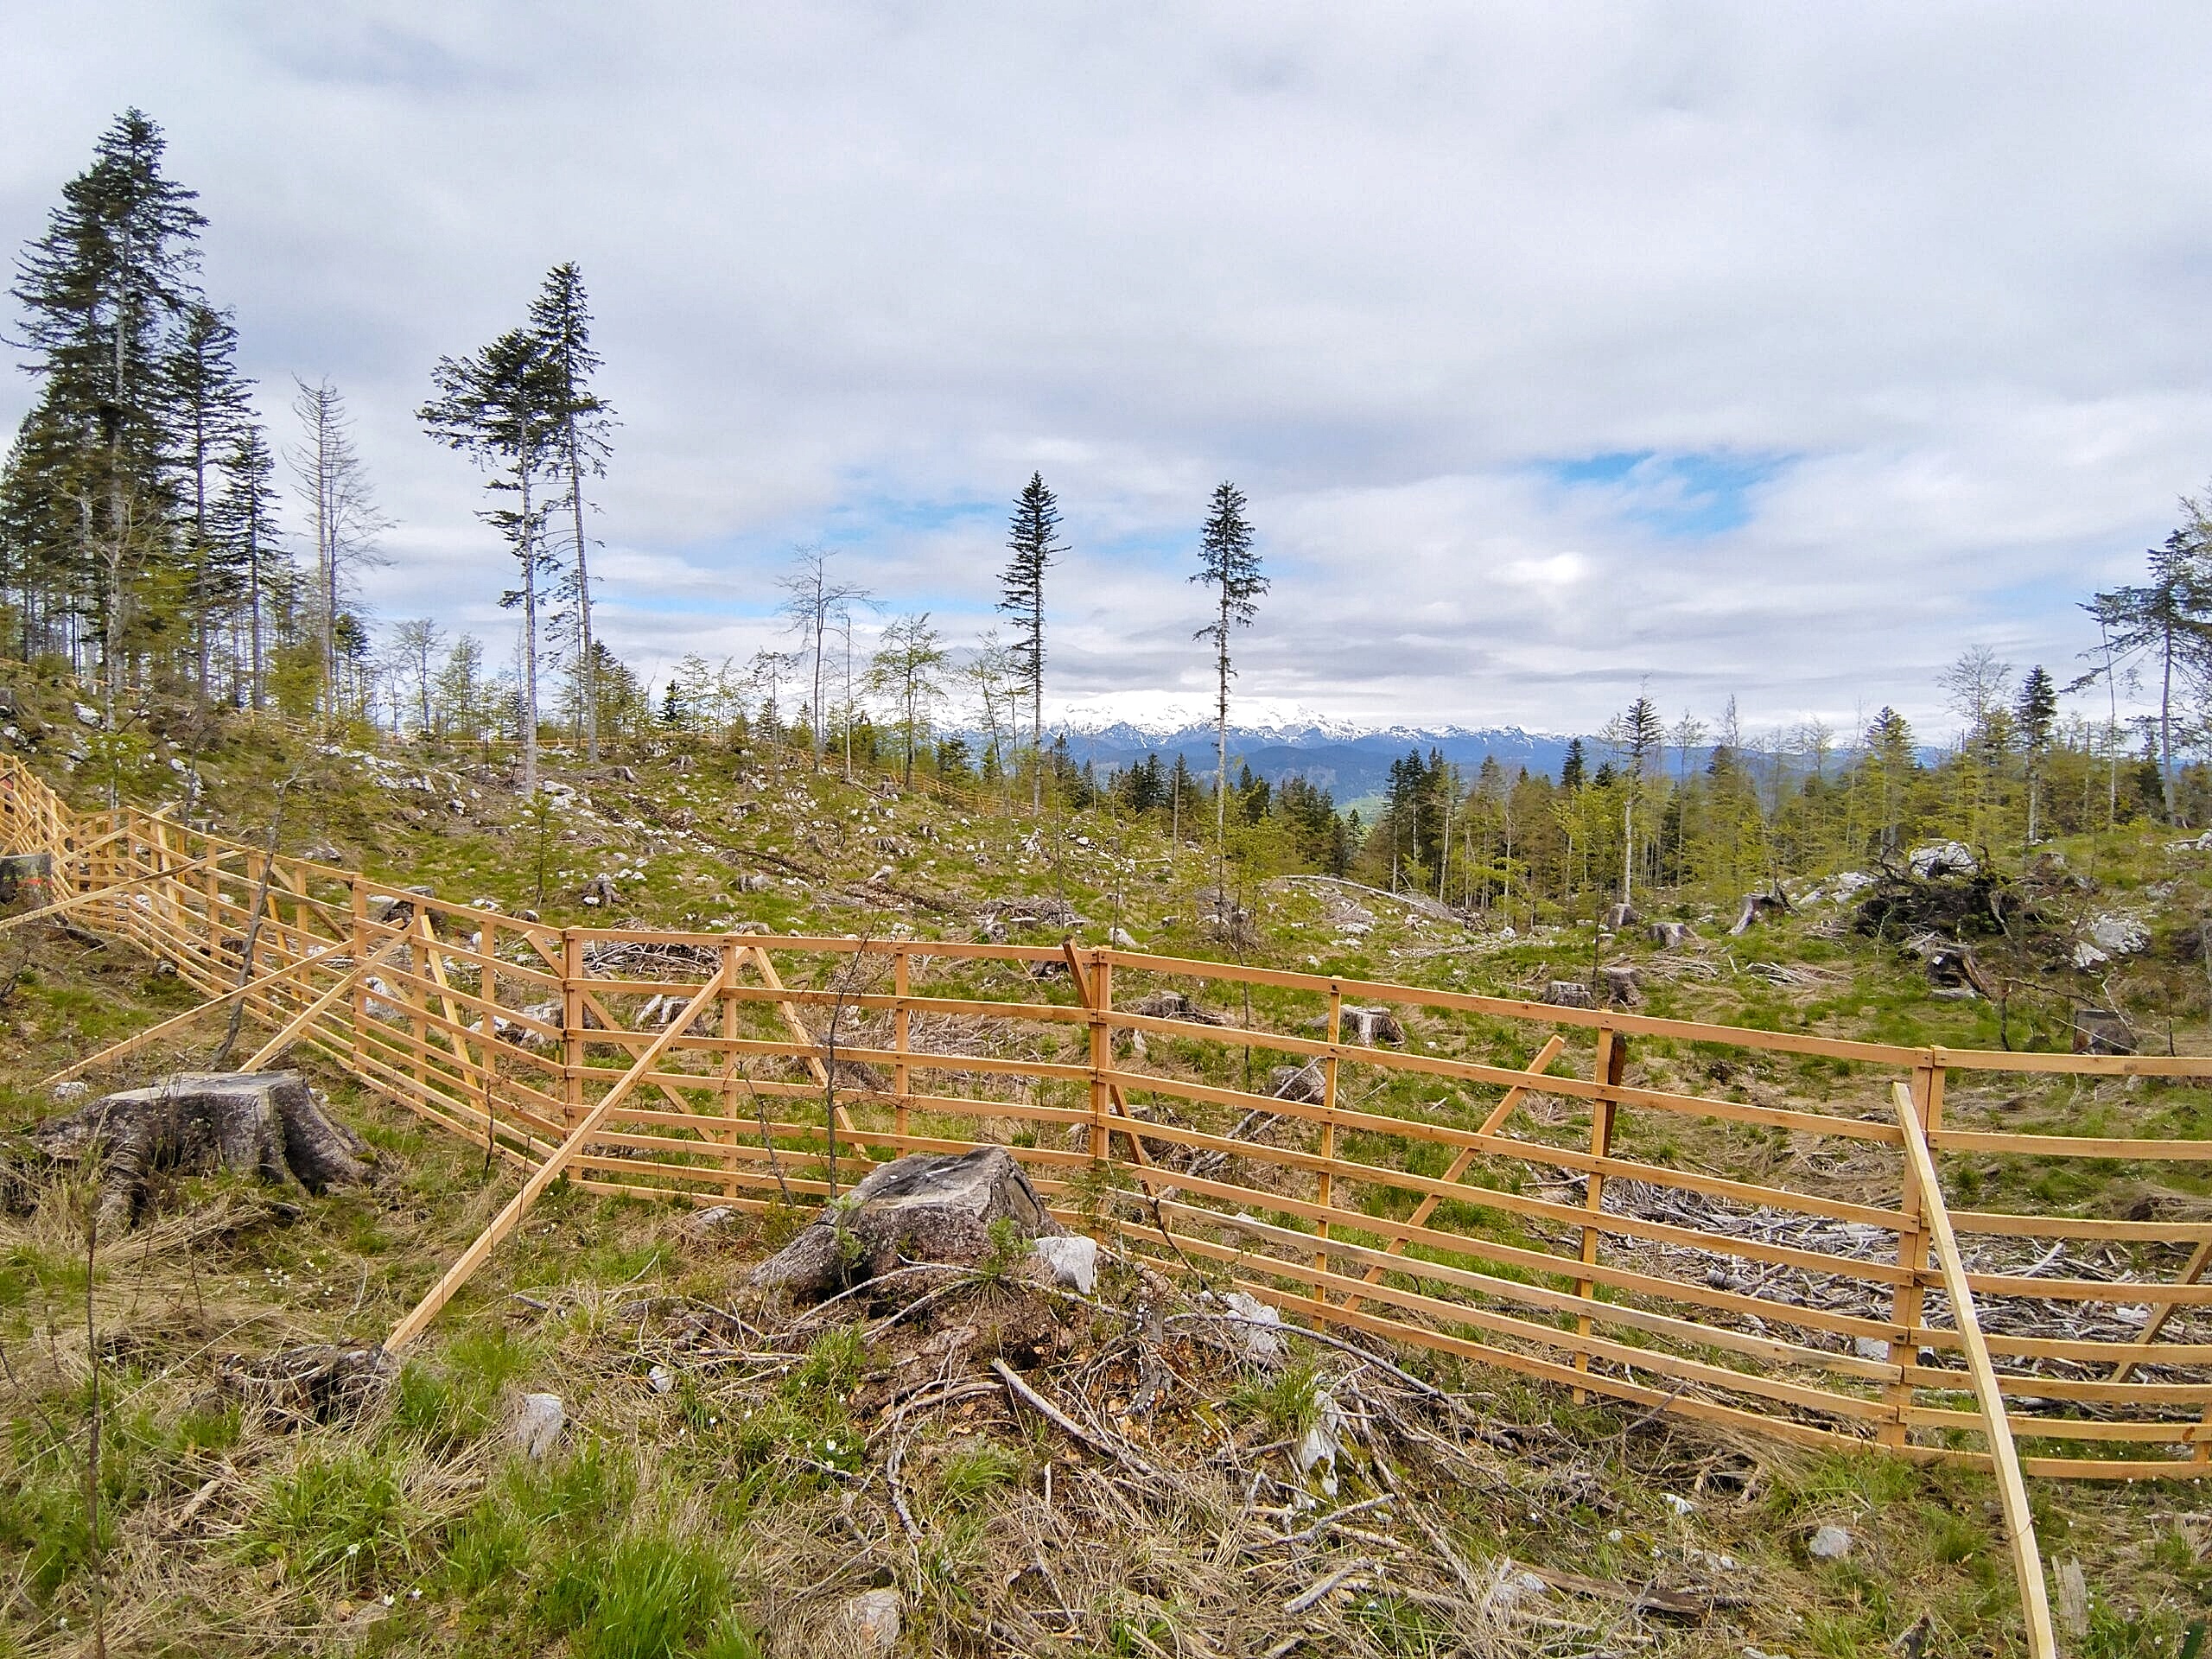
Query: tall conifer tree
(581, 419)
(1031, 538)
(500, 407)
(101, 291)
(1228, 565)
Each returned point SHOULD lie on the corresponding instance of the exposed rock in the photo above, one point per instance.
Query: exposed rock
(1941, 858)
(874, 1619)
(1828, 1543)
(600, 890)
(1568, 993)
(1120, 940)
(266, 1124)
(928, 1207)
(537, 1424)
(1256, 1330)
(1318, 1449)
(1072, 1259)
(2108, 935)
(706, 1223)
(73, 1090)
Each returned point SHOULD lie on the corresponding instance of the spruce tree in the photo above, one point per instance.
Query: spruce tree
(1574, 769)
(2168, 619)
(1228, 565)
(2036, 711)
(242, 520)
(1030, 537)
(209, 406)
(101, 291)
(500, 407)
(561, 318)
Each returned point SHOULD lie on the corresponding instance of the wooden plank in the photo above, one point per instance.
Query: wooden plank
(2012, 1495)
(346, 981)
(2008, 1225)
(1905, 1298)
(1517, 1008)
(2074, 1145)
(78, 901)
(1500, 1076)
(1519, 1203)
(153, 1033)
(1096, 1008)
(1504, 1109)
(774, 981)
(1853, 1407)
(1324, 1183)
(466, 1263)
(1607, 1069)
(1405, 1234)
(1774, 1350)
(2199, 1260)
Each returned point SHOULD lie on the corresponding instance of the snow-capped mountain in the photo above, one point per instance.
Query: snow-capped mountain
(1278, 739)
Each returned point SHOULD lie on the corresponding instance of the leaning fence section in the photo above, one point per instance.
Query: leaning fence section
(1525, 1187)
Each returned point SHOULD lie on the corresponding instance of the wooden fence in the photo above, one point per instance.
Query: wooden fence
(1526, 1187)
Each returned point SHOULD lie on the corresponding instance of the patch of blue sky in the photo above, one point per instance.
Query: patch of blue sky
(1692, 493)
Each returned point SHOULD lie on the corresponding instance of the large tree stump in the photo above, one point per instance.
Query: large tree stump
(260, 1124)
(929, 1207)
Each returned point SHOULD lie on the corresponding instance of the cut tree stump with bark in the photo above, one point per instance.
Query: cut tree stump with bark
(930, 1207)
(265, 1124)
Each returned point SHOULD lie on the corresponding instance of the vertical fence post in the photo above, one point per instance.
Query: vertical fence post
(487, 986)
(902, 1039)
(211, 896)
(572, 1026)
(1912, 1253)
(1607, 1070)
(357, 907)
(1099, 987)
(729, 958)
(1325, 1184)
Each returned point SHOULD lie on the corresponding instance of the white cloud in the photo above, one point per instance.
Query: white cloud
(1941, 266)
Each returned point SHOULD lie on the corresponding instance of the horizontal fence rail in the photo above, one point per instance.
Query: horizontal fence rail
(1526, 1186)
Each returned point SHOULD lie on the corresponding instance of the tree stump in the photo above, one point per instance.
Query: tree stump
(1623, 986)
(1672, 936)
(2101, 1030)
(929, 1207)
(1568, 993)
(261, 1124)
(26, 875)
(1757, 907)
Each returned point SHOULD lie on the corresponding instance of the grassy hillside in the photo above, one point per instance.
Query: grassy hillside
(729, 1479)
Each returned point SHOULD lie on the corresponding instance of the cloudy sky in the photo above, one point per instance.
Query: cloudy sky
(1771, 351)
